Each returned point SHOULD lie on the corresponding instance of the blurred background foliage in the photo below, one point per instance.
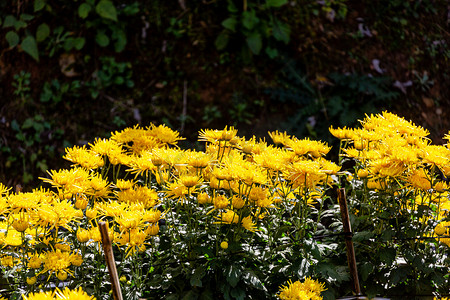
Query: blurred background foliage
(71, 71)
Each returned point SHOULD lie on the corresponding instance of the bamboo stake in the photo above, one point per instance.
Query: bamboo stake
(351, 259)
(109, 255)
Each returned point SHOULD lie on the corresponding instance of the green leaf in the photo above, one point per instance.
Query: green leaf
(121, 40)
(281, 32)
(233, 274)
(271, 52)
(28, 123)
(254, 42)
(191, 295)
(30, 47)
(232, 7)
(79, 43)
(249, 19)
(15, 125)
(9, 21)
(38, 5)
(83, 10)
(276, 3)
(20, 24)
(196, 278)
(206, 295)
(106, 10)
(221, 41)
(42, 32)
(362, 236)
(13, 38)
(365, 270)
(251, 279)
(230, 23)
(26, 17)
(102, 39)
(303, 268)
(387, 255)
(238, 293)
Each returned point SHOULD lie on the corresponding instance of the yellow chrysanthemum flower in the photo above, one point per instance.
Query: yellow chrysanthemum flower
(68, 294)
(307, 290)
(49, 295)
(83, 157)
(247, 223)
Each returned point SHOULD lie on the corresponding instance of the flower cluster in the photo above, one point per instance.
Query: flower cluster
(307, 290)
(66, 294)
(395, 156)
(166, 205)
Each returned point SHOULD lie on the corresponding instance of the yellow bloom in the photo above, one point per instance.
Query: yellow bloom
(124, 184)
(31, 280)
(309, 289)
(151, 216)
(209, 135)
(176, 190)
(68, 294)
(84, 157)
(248, 224)
(99, 187)
(56, 261)
(203, 198)
(420, 179)
(105, 147)
(198, 160)
(228, 217)
(279, 138)
(341, 133)
(61, 275)
(50, 295)
(82, 235)
(9, 261)
(362, 173)
(440, 229)
(302, 147)
(20, 225)
(190, 181)
(220, 201)
(153, 229)
(224, 245)
(164, 134)
(237, 202)
(34, 262)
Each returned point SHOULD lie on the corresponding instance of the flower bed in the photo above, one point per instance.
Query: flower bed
(237, 220)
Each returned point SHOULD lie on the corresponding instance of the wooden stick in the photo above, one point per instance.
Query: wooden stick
(351, 259)
(109, 255)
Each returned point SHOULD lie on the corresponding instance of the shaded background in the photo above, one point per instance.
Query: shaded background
(71, 71)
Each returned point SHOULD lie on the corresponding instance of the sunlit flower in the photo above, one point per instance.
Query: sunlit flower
(82, 235)
(123, 184)
(247, 223)
(220, 201)
(31, 280)
(56, 261)
(228, 217)
(176, 190)
(34, 262)
(203, 198)
(83, 157)
(279, 138)
(49, 295)
(309, 289)
(164, 134)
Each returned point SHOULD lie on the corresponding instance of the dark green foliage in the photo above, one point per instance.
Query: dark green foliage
(196, 64)
(339, 100)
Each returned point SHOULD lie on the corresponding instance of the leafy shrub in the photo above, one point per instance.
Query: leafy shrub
(237, 220)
